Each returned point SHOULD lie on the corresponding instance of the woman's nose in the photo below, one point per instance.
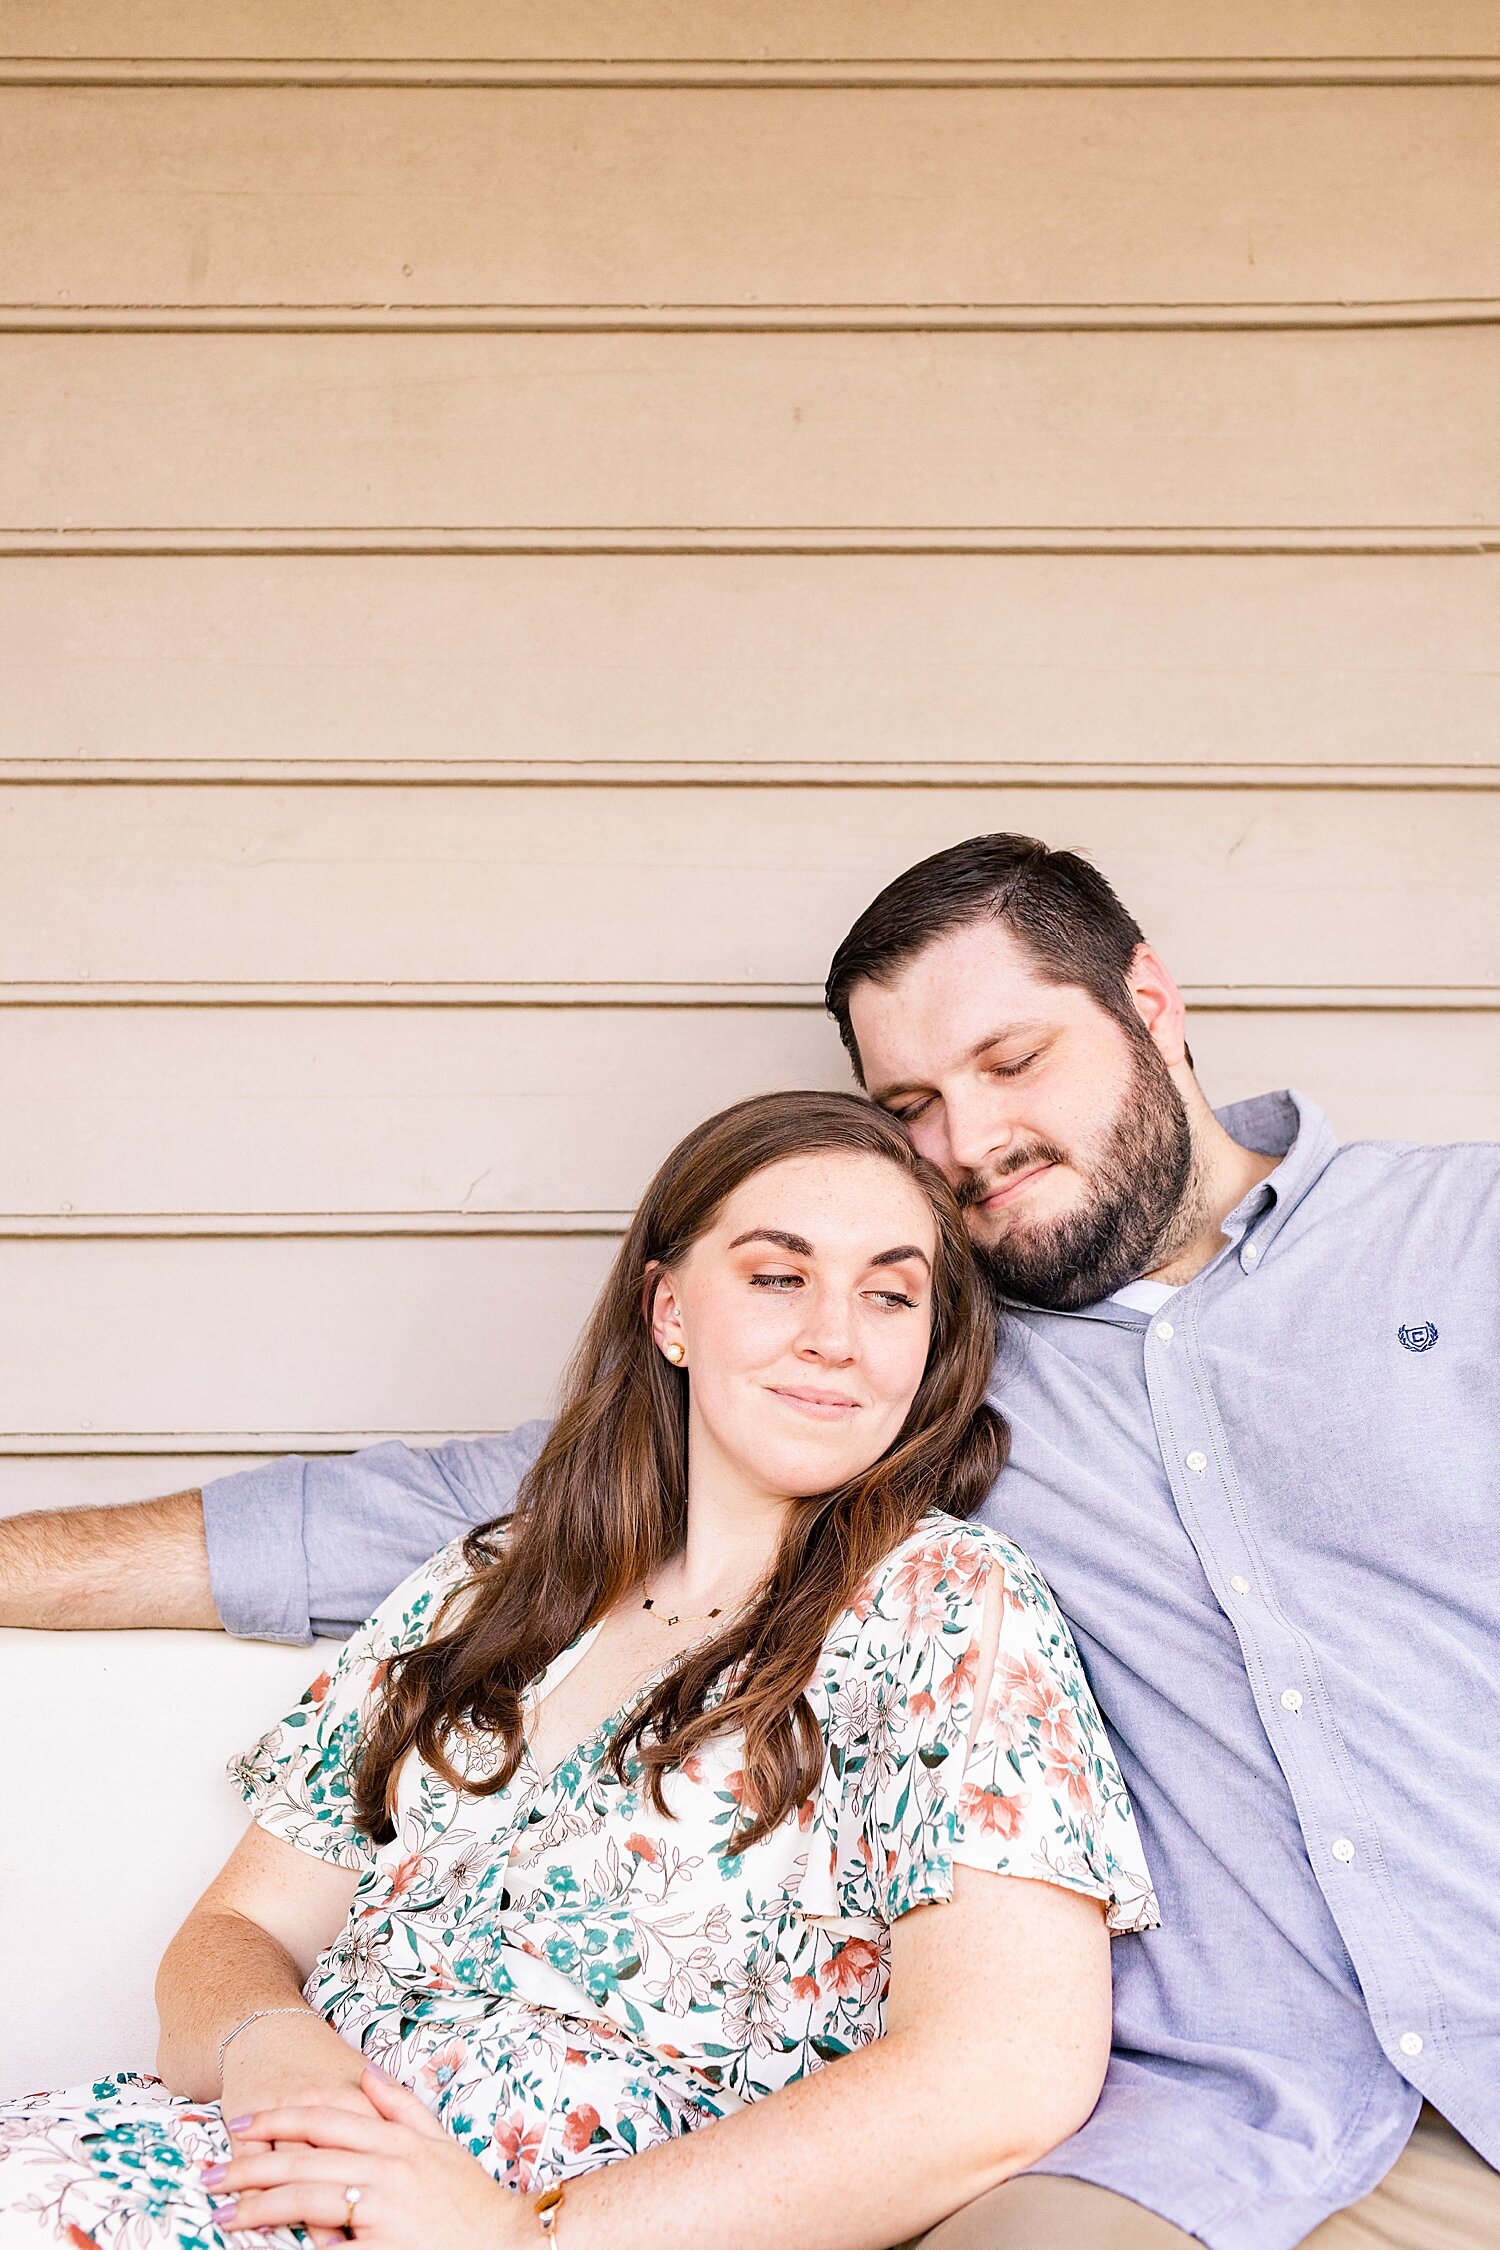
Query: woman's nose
(828, 1337)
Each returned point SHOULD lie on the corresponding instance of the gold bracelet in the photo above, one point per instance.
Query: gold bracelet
(546, 2207)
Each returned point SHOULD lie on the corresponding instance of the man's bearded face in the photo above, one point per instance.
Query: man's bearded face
(1057, 1120)
(1133, 1184)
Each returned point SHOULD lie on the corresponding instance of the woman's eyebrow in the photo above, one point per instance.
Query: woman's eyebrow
(798, 1244)
(899, 1257)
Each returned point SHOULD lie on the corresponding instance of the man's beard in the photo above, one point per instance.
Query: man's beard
(1138, 1210)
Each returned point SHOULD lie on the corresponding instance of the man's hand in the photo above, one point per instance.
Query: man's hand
(418, 2190)
(105, 1569)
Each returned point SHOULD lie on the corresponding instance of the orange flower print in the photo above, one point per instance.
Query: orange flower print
(921, 1705)
(579, 2128)
(443, 2066)
(853, 1967)
(403, 1875)
(520, 2144)
(319, 1688)
(643, 1848)
(915, 1586)
(992, 1812)
(961, 1680)
(804, 1989)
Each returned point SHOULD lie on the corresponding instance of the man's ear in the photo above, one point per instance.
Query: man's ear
(1158, 1001)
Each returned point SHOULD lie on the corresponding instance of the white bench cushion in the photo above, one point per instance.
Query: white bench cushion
(116, 1812)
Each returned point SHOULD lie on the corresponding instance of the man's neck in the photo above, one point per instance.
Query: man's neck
(1223, 1175)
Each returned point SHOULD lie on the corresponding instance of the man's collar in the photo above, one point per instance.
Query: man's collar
(1289, 1126)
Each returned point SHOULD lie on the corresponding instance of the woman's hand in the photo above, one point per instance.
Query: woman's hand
(418, 2190)
(294, 2061)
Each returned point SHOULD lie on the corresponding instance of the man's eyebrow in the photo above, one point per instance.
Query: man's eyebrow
(1021, 1029)
(899, 1257)
(798, 1244)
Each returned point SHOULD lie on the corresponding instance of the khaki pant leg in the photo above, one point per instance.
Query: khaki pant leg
(1039, 2213)
(1439, 2195)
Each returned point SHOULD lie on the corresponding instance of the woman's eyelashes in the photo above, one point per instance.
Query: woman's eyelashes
(783, 1284)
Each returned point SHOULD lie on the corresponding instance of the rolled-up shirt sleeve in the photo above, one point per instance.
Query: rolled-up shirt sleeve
(306, 1546)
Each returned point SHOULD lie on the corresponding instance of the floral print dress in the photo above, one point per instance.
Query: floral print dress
(565, 1976)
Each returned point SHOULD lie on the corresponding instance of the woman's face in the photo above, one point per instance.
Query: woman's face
(804, 1315)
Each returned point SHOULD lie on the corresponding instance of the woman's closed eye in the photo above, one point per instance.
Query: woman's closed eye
(785, 1282)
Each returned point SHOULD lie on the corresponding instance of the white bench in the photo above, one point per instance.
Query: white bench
(114, 1812)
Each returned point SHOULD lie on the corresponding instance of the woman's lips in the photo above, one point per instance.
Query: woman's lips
(1013, 1187)
(823, 1406)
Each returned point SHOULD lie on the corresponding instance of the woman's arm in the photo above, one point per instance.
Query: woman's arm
(250, 1943)
(996, 2046)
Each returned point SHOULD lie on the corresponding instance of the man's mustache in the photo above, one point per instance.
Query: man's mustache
(979, 1185)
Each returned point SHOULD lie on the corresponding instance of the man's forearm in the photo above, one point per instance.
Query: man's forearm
(103, 1569)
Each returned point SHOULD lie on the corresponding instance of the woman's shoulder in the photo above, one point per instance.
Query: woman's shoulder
(944, 1551)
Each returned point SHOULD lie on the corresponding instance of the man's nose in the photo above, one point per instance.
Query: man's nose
(977, 1133)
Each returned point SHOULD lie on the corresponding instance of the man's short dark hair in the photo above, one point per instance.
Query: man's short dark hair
(1054, 903)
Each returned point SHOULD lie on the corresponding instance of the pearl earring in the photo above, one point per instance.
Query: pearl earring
(675, 1353)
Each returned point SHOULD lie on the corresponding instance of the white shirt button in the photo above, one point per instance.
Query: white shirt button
(1165, 1331)
(1342, 1849)
(1292, 1701)
(1252, 1252)
(1410, 2042)
(1239, 1585)
(1197, 1462)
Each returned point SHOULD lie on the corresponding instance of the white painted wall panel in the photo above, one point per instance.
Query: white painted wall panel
(204, 886)
(628, 30)
(914, 662)
(392, 198)
(458, 1118)
(1379, 429)
(279, 1339)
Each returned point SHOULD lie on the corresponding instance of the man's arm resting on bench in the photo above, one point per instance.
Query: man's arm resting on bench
(104, 1569)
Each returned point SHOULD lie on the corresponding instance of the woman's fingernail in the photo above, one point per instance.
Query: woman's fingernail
(211, 2174)
(222, 2214)
(376, 2072)
(236, 2124)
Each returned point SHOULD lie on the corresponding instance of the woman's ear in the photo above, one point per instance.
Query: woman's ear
(666, 1318)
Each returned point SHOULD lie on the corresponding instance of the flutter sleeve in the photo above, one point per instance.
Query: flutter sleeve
(983, 1744)
(298, 1779)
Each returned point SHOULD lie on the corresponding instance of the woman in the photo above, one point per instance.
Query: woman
(679, 1818)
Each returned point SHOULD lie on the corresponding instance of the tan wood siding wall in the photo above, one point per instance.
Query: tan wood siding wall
(515, 520)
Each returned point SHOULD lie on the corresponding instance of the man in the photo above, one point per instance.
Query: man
(1250, 1380)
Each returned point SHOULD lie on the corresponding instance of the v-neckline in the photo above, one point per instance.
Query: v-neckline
(557, 1671)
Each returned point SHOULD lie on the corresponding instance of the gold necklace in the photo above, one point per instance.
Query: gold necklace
(681, 1617)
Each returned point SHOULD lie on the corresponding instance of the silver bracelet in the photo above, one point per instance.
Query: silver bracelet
(255, 2016)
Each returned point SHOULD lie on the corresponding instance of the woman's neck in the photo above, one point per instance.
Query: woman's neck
(733, 1531)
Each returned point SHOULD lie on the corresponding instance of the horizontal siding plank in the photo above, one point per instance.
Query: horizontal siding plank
(455, 1121)
(754, 30)
(760, 431)
(770, 663)
(708, 886)
(105, 1480)
(298, 198)
(301, 1337)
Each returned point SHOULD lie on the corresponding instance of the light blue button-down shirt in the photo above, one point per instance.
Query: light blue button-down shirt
(1271, 1512)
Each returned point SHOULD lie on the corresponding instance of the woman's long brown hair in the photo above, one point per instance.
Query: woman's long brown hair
(605, 1504)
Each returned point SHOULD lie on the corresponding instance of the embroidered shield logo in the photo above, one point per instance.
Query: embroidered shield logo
(1421, 1338)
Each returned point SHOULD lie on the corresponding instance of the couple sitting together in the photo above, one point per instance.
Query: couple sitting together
(725, 1788)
